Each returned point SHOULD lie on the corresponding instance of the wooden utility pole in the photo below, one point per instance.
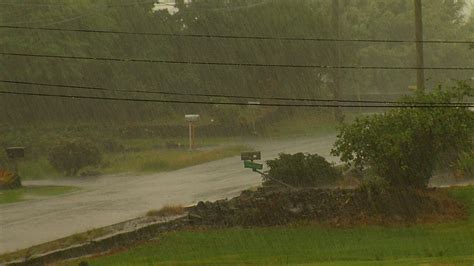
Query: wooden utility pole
(420, 64)
(337, 58)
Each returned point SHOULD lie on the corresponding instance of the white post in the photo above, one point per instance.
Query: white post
(191, 119)
(190, 136)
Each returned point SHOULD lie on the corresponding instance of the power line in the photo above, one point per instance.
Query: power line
(229, 63)
(227, 103)
(226, 95)
(218, 36)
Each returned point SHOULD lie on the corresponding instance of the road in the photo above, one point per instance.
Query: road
(112, 199)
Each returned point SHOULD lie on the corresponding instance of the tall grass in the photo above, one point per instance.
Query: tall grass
(165, 160)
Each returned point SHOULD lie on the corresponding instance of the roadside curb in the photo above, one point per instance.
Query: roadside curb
(106, 243)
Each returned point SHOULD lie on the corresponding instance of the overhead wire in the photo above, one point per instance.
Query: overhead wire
(95, 88)
(222, 36)
(234, 64)
(226, 103)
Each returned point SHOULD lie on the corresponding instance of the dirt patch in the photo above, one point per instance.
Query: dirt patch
(265, 207)
(167, 210)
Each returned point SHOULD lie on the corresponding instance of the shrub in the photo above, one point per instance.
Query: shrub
(9, 180)
(69, 156)
(406, 145)
(302, 170)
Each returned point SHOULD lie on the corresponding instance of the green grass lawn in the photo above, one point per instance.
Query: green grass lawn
(33, 192)
(449, 243)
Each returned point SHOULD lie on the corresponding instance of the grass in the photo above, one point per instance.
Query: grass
(33, 192)
(142, 155)
(165, 160)
(37, 169)
(141, 161)
(449, 243)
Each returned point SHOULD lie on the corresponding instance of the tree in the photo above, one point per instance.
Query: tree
(406, 145)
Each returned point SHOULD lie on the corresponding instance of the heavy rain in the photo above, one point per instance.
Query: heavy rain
(212, 132)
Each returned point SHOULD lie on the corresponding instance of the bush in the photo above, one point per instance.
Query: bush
(406, 145)
(302, 170)
(9, 180)
(69, 156)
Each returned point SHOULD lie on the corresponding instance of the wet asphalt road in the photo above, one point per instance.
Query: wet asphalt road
(108, 200)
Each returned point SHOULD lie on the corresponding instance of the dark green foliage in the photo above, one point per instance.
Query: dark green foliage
(69, 156)
(406, 145)
(302, 170)
(360, 19)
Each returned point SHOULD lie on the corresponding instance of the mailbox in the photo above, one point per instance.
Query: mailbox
(251, 155)
(15, 152)
(191, 118)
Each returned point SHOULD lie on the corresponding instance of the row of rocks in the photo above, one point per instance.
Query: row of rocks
(336, 207)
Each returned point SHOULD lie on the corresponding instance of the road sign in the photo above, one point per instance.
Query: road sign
(252, 165)
(250, 155)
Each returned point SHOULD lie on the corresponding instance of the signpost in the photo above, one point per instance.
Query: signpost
(253, 166)
(191, 119)
(248, 157)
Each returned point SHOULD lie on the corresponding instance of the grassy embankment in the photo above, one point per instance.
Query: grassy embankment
(148, 154)
(33, 192)
(137, 161)
(449, 243)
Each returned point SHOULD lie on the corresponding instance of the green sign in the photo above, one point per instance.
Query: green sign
(252, 165)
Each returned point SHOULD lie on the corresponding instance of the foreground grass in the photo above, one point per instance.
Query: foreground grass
(416, 245)
(33, 192)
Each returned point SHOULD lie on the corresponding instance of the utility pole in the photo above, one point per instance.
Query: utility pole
(420, 64)
(337, 57)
